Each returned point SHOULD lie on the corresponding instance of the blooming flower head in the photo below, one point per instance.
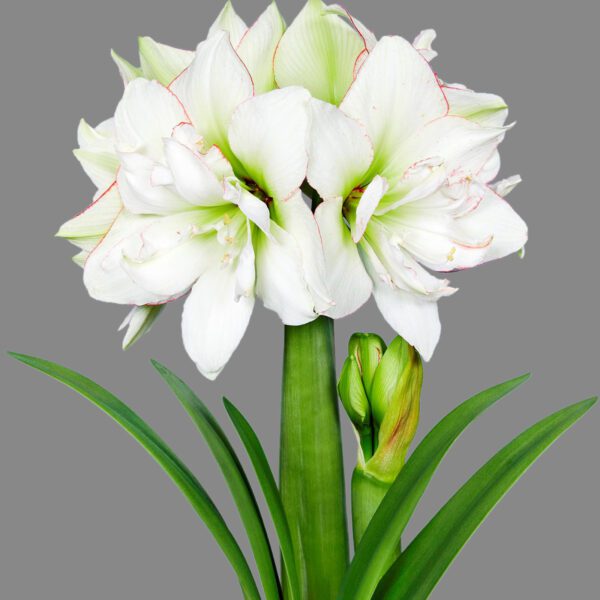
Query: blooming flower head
(199, 176)
(202, 195)
(404, 167)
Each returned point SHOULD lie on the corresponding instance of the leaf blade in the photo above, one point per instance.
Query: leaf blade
(270, 490)
(428, 556)
(234, 476)
(382, 536)
(161, 453)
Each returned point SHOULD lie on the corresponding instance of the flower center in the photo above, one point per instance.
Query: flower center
(255, 190)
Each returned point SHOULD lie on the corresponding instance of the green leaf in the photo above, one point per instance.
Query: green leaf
(268, 485)
(234, 476)
(379, 543)
(428, 556)
(162, 454)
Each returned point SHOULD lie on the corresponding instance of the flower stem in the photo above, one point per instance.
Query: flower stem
(311, 466)
(367, 494)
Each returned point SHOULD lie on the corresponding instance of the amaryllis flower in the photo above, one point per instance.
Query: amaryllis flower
(206, 200)
(404, 166)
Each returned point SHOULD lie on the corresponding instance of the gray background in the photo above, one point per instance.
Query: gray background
(85, 514)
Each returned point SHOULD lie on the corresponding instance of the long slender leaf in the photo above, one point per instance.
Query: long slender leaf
(162, 454)
(380, 541)
(235, 477)
(268, 484)
(428, 556)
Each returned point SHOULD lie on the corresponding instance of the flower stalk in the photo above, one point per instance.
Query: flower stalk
(311, 465)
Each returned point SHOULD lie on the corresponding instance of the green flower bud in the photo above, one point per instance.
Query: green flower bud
(380, 390)
(353, 395)
(395, 401)
(367, 348)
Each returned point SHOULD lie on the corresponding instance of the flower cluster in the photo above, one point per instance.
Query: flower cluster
(201, 174)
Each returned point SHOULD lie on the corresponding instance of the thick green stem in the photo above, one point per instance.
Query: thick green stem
(311, 466)
(367, 494)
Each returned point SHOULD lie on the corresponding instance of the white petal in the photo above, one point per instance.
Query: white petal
(464, 146)
(229, 21)
(104, 276)
(415, 319)
(366, 34)
(495, 215)
(162, 62)
(213, 322)
(298, 220)
(319, 52)
(245, 272)
(147, 113)
(367, 205)
(347, 280)
(436, 238)
(269, 135)
(280, 280)
(140, 189)
(423, 43)
(97, 139)
(212, 87)
(485, 109)
(254, 209)
(171, 273)
(490, 169)
(139, 321)
(126, 70)
(394, 95)
(192, 176)
(419, 181)
(87, 228)
(257, 48)
(506, 186)
(340, 151)
(383, 249)
(96, 152)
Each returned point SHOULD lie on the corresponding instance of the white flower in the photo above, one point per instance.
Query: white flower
(206, 200)
(404, 167)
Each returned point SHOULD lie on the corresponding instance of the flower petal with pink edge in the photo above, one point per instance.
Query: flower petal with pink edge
(394, 95)
(347, 280)
(214, 320)
(257, 48)
(367, 205)
(192, 177)
(104, 276)
(423, 43)
(229, 21)
(161, 62)
(146, 114)
(269, 135)
(297, 219)
(213, 86)
(340, 151)
(495, 216)
(319, 52)
(280, 279)
(140, 182)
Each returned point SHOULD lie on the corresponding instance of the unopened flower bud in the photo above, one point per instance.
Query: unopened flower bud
(380, 390)
(395, 399)
(353, 395)
(368, 349)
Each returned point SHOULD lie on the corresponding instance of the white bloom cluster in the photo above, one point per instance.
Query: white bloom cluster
(201, 173)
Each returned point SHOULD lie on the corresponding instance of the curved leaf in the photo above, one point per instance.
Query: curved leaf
(428, 556)
(234, 476)
(162, 454)
(269, 487)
